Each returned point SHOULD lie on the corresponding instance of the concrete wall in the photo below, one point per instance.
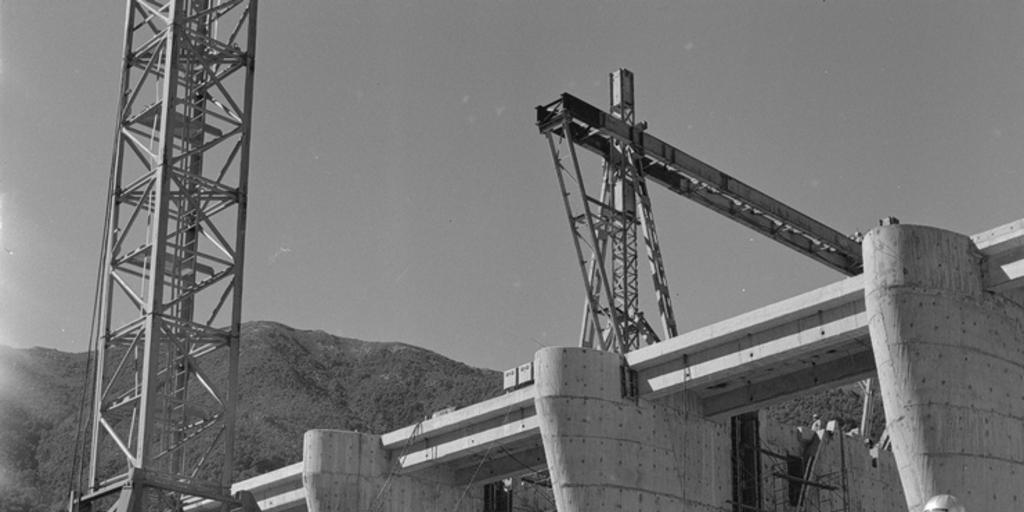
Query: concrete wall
(868, 479)
(350, 472)
(950, 359)
(609, 452)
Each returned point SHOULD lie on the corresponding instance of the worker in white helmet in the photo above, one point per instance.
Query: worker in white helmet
(944, 503)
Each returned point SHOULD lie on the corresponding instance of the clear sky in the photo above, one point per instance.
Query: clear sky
(401, 192)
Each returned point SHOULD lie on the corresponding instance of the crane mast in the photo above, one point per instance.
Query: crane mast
(607, 226)
(170, 291)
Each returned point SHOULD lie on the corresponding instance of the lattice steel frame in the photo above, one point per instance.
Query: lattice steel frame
(612, 319)
(594, 130)
(571, 122)
(171, 295)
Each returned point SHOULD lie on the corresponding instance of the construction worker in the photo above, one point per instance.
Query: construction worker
(944, 503)
(816, 422)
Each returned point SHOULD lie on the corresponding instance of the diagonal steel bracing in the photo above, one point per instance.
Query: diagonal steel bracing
(171, 295)
(605, 233)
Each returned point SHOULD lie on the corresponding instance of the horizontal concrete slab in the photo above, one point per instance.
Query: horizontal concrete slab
(460, 419)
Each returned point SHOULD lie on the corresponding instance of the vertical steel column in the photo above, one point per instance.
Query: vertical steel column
(612, 319)
(621, 174)
(166, 375)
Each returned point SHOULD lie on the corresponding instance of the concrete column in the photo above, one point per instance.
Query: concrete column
(347, 471)
(950, 360)
(342, 470)
(607, 452)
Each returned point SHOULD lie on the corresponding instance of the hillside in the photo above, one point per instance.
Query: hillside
(290, 380)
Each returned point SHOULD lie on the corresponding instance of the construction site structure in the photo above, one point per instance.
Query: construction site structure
(170, 283)
(607, 226)
(614, 424)
(936, 318)
(933, 316)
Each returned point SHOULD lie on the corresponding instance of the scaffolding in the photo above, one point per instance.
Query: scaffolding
(766, 481)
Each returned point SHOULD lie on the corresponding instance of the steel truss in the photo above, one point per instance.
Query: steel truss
(590, 128)
(162, 432)
(631, 156)
(612, 319)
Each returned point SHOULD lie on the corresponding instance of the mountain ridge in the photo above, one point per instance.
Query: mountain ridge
(289, 380)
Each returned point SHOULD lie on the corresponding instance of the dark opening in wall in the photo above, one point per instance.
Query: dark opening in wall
(746, 462)
(498, 497)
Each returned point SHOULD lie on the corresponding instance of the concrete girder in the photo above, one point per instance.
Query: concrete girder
(787, 337)
(505, 463)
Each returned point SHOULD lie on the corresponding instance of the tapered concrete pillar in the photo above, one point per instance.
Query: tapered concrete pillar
(950, 360)
(347, 471)
(342, 469)
(610, 452)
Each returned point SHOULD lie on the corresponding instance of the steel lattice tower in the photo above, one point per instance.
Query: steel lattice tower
(162, 432)
(607, 226)
(632, 157)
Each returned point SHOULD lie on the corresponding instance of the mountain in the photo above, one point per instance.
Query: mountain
(290, 381)
(39, 392)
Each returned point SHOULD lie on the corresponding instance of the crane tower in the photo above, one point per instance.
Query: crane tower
(607, 225)
(632, 157)
(170, 284)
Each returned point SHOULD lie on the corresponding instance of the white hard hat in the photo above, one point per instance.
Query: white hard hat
(944, 503)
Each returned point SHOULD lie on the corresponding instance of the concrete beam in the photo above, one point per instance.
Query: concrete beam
(277, 491)
(1002, 251)
(503, 464)
(764, 345)
(461, 419)
(500, 422)
(818, 377)
(716, 335)
(516, 427)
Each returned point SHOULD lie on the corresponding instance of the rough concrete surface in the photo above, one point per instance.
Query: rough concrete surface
(949, 357)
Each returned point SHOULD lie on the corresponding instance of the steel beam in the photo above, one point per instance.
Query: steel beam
(596, 130)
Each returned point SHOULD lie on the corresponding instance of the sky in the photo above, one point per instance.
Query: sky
(400, 191)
